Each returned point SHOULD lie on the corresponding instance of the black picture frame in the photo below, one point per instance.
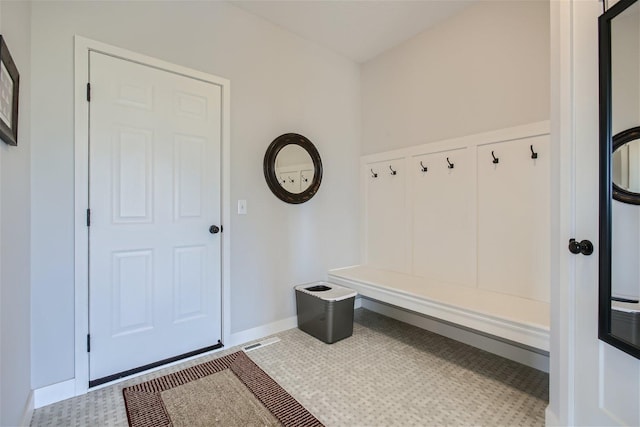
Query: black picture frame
(269, 168)
(606, 182)
(9, 94)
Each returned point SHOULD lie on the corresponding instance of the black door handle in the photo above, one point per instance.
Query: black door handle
(585, 247)
(214, 229)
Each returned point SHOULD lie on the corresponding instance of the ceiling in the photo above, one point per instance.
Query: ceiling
(359, 30)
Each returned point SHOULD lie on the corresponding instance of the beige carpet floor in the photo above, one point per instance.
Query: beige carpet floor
(387, 374)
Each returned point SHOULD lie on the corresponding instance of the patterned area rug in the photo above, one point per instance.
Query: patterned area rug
(231, 390)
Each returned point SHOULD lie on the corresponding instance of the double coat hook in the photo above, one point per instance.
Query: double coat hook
(450, 165)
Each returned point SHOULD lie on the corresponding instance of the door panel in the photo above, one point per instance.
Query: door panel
(513, 218)
(588, 405)
(132, 288)
(442, 196)
(189, 282)
(132, 175)
(386, 213)
(188, 176)
(620, 387)
(606, 380)
(154, 191)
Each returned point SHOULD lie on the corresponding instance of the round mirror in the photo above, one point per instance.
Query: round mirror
(625, 166)
(292, 168)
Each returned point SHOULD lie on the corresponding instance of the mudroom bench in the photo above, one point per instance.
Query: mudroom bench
(520, 320)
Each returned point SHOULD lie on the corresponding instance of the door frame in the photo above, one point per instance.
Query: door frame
(560, 410)
(82, 47)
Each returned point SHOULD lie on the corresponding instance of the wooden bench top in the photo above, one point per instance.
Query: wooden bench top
(513, 318)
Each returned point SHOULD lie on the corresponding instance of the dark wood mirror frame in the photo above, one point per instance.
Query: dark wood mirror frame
(269, 167)
(619, 140)
(9, 131)
(606, 184)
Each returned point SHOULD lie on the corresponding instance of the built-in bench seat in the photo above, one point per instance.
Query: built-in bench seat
(513, 318)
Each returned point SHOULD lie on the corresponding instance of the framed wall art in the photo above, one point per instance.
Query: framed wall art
(9, 88)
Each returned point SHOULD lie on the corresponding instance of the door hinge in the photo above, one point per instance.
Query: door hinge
(88, 217)
(88, 92)
(88, 343)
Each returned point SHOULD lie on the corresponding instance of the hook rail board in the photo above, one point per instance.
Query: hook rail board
(479, 218)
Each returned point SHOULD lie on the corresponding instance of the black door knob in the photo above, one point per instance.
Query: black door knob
(214, 229)
(584, 247)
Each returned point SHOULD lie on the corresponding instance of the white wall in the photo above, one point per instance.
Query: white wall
(15, 331)
(485, 68)
(279, 83)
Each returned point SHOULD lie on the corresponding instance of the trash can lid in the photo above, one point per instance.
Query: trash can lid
(629, 307)
(334, 293)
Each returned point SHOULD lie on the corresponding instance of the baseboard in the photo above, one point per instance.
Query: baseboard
(54, 393)
(27, 414)
(508, 350)
(550, 418)
(258, 332)
(64, 390)
(358, 303)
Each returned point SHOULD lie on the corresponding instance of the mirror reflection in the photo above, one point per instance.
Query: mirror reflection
(625, 69)
(626, 166)
(624, 321)
(625, 173)
(294, 168)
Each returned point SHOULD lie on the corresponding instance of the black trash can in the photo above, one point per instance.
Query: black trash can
(325, 310)
(625, 322)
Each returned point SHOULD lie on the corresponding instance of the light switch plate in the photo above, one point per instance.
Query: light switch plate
(242, 207)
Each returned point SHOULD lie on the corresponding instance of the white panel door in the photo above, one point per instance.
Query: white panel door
(605, 381)
(513, 218)
(154, 191)
(444, 211)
